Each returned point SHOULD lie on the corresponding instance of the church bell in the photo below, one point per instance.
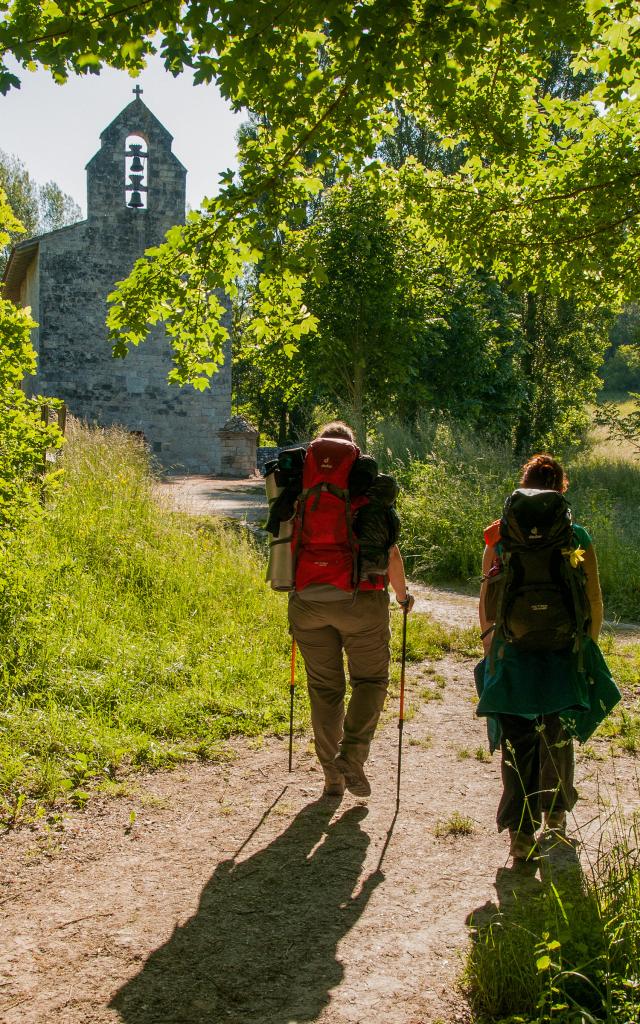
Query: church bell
(136, 187)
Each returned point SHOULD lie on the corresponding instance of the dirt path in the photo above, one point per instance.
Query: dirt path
(230, 893)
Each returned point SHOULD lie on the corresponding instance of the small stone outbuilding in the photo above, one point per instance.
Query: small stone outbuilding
(135, 193)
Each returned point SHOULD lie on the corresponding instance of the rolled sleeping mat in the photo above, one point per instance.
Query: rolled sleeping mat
(280, 564)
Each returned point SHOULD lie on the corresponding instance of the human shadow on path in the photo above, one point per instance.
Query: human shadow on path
(262, 945)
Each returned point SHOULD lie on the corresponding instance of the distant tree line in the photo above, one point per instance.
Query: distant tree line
(39, 208)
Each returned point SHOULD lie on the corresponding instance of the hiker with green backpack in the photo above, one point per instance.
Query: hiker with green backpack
(543, 680)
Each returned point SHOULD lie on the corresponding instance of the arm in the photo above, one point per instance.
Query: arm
(397, 577)
(594, 593)
(487, 562)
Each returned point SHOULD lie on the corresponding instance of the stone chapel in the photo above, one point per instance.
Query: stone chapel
(135, 193)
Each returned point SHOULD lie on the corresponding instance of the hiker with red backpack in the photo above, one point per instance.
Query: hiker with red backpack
(543, 680)
(341, 529)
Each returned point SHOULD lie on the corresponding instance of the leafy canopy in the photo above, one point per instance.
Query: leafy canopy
(24, 437)
(548, 191)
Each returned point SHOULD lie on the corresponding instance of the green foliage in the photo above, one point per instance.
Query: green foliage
(24, 437)
(374, 287)
(564, 341)
(621, 372)
(128, 634)
(547, 192)
(565, 948)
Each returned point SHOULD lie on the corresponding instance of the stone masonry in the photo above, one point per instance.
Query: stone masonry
(66, 275)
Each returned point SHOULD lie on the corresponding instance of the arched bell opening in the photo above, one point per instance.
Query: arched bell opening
(136, 173)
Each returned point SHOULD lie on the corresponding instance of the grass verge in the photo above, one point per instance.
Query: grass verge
(133, 637)
(565, 947)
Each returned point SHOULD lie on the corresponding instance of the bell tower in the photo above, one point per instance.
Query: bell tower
(135, 184)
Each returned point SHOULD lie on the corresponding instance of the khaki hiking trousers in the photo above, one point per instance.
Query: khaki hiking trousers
(359, 626)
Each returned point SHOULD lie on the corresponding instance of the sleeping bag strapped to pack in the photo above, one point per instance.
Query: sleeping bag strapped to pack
(538, 597)
(325, 548)
(377, 527)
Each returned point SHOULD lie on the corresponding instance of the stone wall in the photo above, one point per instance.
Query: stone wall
(238, 440)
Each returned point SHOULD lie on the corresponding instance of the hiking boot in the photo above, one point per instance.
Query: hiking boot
(523, 846)
(355, 779)
(333, 783)
(333, 789)
(555, 821)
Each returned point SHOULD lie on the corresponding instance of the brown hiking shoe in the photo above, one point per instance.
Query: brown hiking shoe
(333, 782)
(334, 789)
(355, 779)
(523, 846)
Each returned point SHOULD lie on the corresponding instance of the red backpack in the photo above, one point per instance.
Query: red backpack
(325, 549)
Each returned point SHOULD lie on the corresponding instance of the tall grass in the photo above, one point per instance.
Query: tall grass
(127, 633)
(567, 947)
(454, 484)
(132, 636)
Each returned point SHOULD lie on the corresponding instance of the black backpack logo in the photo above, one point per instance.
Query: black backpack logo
(538, 599)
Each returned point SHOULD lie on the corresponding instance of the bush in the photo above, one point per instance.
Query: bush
(621, 372)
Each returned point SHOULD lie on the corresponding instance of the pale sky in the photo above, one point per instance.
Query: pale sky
(55, 129)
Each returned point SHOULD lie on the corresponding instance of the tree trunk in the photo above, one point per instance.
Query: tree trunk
(524, 428)
(283, 432)
(358, 424)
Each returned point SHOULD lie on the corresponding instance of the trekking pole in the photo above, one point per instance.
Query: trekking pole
(405, 611)
(292, 691)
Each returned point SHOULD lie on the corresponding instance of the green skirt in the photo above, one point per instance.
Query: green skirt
(548, 682)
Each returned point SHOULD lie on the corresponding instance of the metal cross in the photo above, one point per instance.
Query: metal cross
(137, 92)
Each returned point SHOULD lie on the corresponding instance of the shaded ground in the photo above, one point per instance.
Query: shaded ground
(231, 893)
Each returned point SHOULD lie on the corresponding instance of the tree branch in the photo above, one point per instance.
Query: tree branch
(66, 29)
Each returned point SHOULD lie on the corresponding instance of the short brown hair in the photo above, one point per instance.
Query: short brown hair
(337, 428)
(544, 473)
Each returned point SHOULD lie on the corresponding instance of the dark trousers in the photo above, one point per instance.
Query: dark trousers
(537, 771)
